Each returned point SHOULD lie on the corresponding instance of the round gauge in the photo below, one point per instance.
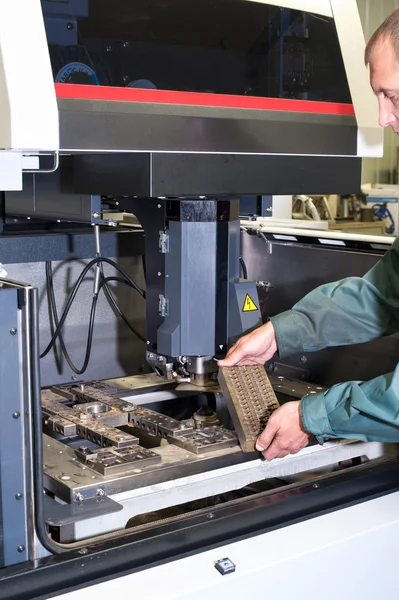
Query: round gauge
(76, 64)
(77, 72)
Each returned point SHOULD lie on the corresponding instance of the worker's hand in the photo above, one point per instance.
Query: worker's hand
(253, 349)
(284, 433)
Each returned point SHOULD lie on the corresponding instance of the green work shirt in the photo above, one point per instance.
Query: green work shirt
(350, 311)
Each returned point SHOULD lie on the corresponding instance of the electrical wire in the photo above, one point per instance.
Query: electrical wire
(75, 290)
(244, 268)
(50, 287)
(111, 299)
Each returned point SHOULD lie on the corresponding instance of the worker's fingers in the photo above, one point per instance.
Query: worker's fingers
(267, 436)
(234, 356)
(276, 450)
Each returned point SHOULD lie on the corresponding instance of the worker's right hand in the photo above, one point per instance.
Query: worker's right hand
(253, 349)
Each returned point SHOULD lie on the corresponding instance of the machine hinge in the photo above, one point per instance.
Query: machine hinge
(163, 242)
(163, 306)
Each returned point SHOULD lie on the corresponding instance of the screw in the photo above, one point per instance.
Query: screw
(18, 496)
(96, 215)
(83, 551)
(159, 273)
(210, 515)
(125, 79)
(13, 330)
(100, 493)
(316, 486)
(304, 359)
(21, 548)
(16, 415)
(74, 378)
(159, 205)
(79, 497)
(69, 26)
(108, 48)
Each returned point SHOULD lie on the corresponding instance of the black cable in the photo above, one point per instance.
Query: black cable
(49, 275)
(111, 299)
(75, 290)
(244, 268)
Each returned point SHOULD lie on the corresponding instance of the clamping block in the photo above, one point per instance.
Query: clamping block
(250, 400)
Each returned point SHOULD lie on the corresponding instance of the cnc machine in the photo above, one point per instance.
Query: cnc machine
(131, 133)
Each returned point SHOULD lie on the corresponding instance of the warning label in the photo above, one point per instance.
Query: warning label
(249, 304)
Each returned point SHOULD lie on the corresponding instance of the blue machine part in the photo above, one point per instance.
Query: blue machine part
(76, 70)
(75, 64)
(382, 213)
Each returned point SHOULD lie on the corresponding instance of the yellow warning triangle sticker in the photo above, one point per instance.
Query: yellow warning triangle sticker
(249, 304)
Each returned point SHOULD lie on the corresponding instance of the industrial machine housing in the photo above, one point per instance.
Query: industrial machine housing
(143, 130)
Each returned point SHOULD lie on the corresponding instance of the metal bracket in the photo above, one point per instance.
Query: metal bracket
(58, 515)
(163, 306)
(163, 242)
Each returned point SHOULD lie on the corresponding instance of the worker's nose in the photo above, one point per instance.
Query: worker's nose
(385, 114)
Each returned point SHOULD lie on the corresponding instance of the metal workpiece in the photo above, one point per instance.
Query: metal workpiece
(110, 462)
(250, 399)
(205, 440)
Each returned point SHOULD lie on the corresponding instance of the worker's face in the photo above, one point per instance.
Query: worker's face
(384, 79)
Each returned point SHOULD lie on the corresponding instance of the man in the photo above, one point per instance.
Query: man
(350, 311)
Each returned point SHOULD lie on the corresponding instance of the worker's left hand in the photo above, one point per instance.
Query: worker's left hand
(284, 433)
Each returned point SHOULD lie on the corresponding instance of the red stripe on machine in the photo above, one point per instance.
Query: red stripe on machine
(92, 92)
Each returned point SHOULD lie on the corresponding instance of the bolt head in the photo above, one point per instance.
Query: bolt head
(100, 493)
(18, 496)
(13, 330)
(79, 497)
(159, 205)
(21, 548)
(16, 415)
(69, 26)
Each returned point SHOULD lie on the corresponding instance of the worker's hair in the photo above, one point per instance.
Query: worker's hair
(389, 29)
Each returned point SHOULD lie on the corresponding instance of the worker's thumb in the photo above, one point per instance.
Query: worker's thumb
(231, 359)
(266, 437)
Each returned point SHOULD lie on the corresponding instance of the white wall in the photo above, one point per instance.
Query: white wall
(384, 170)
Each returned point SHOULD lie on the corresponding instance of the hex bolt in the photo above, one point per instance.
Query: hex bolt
(79, 497)
(18, 496)
(21, 548)
(96, 215)
(100, 493)
(13, 330)
(16, 415)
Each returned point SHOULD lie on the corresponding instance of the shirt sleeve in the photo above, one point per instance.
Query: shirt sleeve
(353, 310)
(367, 411)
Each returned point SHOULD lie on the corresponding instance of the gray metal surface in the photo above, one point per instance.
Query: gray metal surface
(190, 288)
(66, 476)
(243, 309)
(92, 125)
(115, 351)
(293, 270)
(60, 515)
(14, 439)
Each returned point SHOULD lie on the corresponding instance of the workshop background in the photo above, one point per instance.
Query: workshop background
(385, 169)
